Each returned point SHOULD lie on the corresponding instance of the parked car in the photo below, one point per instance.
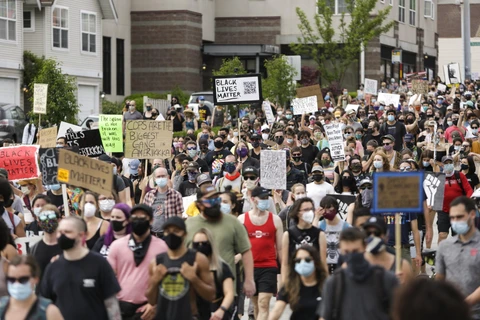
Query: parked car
(88, 121)
(12, 122)
(193, 104)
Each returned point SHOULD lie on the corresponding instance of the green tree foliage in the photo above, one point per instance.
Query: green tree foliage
(111, 107)
(279, 86)
(335, 45)
(176, 92)
(230, 67)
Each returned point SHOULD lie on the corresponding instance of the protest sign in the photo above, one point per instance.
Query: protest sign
(441, 87)
(267, 108)
(145, 139)
(408, 195)
(343, 202)
(25, 244)
(434, 186)
(452, 73)
(111, 132)
(88, 142)
(21, 162)
(273, 170)
(452, 92)
(419, 86)
(312, 91)
(335, 139)
(237, 89)
(371, 86)
(353, 107)
(48, 137)
(64, 126)
(84, 172)
(389, 99)
(48, 165)
(11, 144)
(40, 91)
(305, 105)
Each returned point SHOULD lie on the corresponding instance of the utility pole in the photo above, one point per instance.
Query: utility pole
(467, 61)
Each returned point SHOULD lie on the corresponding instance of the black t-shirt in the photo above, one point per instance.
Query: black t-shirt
(43, 253)
(56, 200)
(178, 123)
(79, 288)
(187, 188)
(405, 226)
(251, 162)
(397, 130)
(309, 153)
(298, 237)
(369, 137)
(100, 247)
(204, 112)
(472, 179)
(307, 303)
(202, 164)
(229, 144)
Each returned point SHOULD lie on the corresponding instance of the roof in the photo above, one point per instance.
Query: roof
(106, 6)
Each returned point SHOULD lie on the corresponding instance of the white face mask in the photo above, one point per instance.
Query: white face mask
(308, 216)
(265, 136)
(36, 211)
(106, 205)
(89, 210)
(250, 184)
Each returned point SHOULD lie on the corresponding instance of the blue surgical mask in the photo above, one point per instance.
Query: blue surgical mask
(20, 291)
(161, 182)
(289, 116)
(448, 168)
(460, 227)
(378, 164)
(192, 153)
(263, 205)
(450, 123)
(327, 97)
(391, 118)
(426, 163)
(304, 268)
(225, 208)
(55, 187)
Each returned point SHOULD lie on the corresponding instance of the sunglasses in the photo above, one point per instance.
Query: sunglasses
(405, 169)
(348, 132)
(47, 215)
(296, 155)
(365, 187)
(386, 143)
(474, 127)
(376, 233)
(213, 201)
(192, 148)
(307, 259)
(21, 280)
(253, 178)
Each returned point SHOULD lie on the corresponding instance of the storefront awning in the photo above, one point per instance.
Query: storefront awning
(240, 49)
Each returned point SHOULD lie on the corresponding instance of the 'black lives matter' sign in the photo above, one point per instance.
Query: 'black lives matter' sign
(237, 89)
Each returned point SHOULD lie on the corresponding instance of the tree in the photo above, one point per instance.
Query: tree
(335, 47)
(309, 76)
(279, 86)
(230, 67)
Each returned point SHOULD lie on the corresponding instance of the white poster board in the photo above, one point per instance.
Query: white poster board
(237, 89)
(371, 86)
(389, 98)
(64, 126)
(273, 169)
(267, 108)
(452, 73)
(441, 87)
(40, 91)
(25, 244)
(335, 140)
(187, 201)
(305, 105)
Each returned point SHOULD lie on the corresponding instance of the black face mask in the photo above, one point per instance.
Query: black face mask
(117, 225)
(65, 243)
(297, 159)
(213, 212)
(356, 167)
(173, 241)
(317, 177)
(140, 226)
(173, 113)
(218, 144)
(369, 131)
(455, 122)
(203, 247)
(348, 181)
(256, 144)
(409, 120)
(279, 140)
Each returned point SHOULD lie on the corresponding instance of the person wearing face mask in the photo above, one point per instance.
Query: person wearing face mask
(297, 192)
(344, 99)
(332, 225)
(175, 272)
(13, 222)
(22, 277)
(394, 128)
(378, 253)
(165, 201)
(119, 172)
(119, 227)
(265, 231)
(232, 177)
(189, 187)
(147, 115)
(55, 197)
(302, 231)
(265, 130)
(224, 134)
(279, 139)
(298, 163)
(452, 126)
(357, 278)
(456, 185)
(363, 201)
(118, 183)
(33, 228)
(204, 112)
(318, 189)
(393, 156)
(192, 152)
(456, 258)
(106, 204)
(467, 167)
(258, 145)
(347, 185)
(97, 227)
(309, 151)
(216, 158)
(98, 286)
(242, 152)
(303, 288)
(130, 257)
(131, 114)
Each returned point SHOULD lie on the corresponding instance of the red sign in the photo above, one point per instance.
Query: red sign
(21, 162)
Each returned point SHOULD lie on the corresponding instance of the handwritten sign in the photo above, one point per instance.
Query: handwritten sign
(237, 89)
(312, 91)
(21, 162)
(371, 86)
(88, 142)
(49, 165)
(40, 91)
(111, 132)
(84, 172)
(25, 244)
(145, 139)
(48, 137)
(65, 126)
(273, 171)
(267, 108)
(335, 139)
(389, 99)
(419, 86)
(305, 105)
(441, 87)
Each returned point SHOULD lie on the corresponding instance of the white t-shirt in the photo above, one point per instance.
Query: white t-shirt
(318, 191)
(6, 218)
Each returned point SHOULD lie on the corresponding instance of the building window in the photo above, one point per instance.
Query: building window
(89, 32)
(29, 21)
(413, 8)
(8, 20)
(391, 3)
(401, 11)
(428, 10)
(337, 6)
(120, 67)
(107, 65)
(60, 28)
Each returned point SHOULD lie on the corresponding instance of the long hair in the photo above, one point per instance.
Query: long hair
(386, 163)
(109, 236)
(339, 186)
(82, 203)
(215, 259)
(293, 283)
(293, 214)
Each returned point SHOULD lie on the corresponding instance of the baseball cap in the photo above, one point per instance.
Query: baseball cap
(446, 158)
(133, 166)
(203, 178)
(250, 170)
(192, 166)
(317, 168)
(469, 103)
(142, 207)
(4, 173)
(175, 221)
(389, 137)
(312, 117)
(255, 136)
(264, 127)
(260, 192)
(105, 158)
(201, 98)
(364, 181)
(440, 97)
(207, 191)
(377, 223)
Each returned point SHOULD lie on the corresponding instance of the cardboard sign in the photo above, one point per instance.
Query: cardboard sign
(371, 86)
(441, 87)
(25, 244)
(305, 105)
(12, 144)
(267, 108)
(398, 192)
(452, 73)
(343, 202)
(48, 159)
(40, 91)
(85, 172)
(88, 142)
(434, 187)
(389, 99)
(21, 162)
(419, 86)
(48, 137)
(312, 91)
(273, 169)
(237, 89)
(146, 139)
(335, 140)
(111, 132)
(64, 126)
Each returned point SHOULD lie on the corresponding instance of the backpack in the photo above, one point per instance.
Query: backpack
(339, 284)
(459, 181)
(40, 306)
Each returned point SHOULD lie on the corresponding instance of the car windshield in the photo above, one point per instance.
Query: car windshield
(208, 97)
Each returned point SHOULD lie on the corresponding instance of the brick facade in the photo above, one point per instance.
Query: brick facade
(166, 51)
(247, 30)
(420, 56)
(373, 60)
(450, 20)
